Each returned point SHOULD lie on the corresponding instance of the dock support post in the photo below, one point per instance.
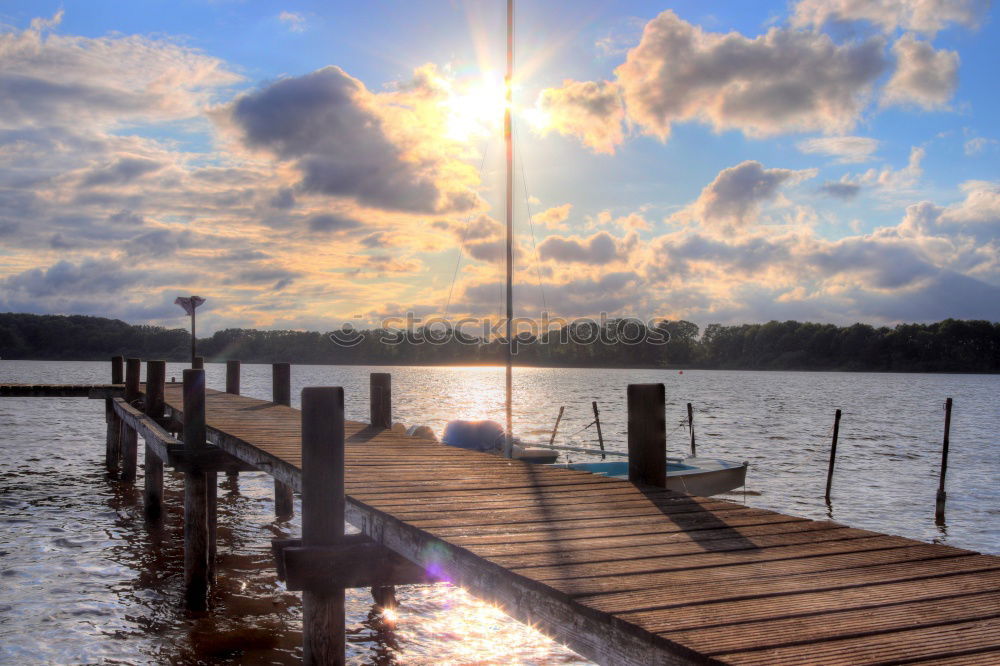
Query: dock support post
(833, 454)
(198, 363)
(380, 400)
(942, 496)
(600, 435)
(555, 428)
(281, 394)
(647, 434)
(233, 387)
(694, 450)
(156, 376)
(112, 449)
(323, 632)
(130, 439)
(196, 576)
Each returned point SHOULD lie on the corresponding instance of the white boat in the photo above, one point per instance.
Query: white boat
(694, 476)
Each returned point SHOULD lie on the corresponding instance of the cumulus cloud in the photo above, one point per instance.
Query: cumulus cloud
(599, 249)
(926, 16)
(734, 198)
(784, 80)
(589, 110)
(846, 149)
(842, 189)
(326, 222)
(331, 127)
(555, 217)
(123, 170)
(924, 76)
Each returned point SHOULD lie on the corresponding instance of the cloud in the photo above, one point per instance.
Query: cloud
(293, 21)
(979, 145)
(782, 81)
(555, 217)
(840, 189)
(599, 249)
(924, 76)
(846, 149)
(589, 110)
(326, 222)
(332, 129)
(123, 170)
(926, 16)
(734, 198)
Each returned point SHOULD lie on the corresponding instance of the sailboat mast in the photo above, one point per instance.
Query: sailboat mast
(509, 144)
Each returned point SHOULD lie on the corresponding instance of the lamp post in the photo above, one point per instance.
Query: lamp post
(189, 303)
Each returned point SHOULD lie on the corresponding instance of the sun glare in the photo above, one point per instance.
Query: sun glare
(476, 109)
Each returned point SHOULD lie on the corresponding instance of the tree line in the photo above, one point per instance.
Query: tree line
(946, 346)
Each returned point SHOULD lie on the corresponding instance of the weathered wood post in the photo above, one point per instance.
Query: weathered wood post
(597, 422)
(156, 376)
(942, 496)
(130, 439)
(281, 394)
(196, 574)
(323, 619)
(833, 454)
(647, 434)
(555, 428)
(380, 400)
(112, 449)
(233, 387)
(198, 363)
(694, 450)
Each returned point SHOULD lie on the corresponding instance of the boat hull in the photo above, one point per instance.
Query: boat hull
(694, 476)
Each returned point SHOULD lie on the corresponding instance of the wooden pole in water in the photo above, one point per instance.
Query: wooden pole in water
(600, 435)
(198, 363)
(647, 434)
(942, 496)
(323, 632)
(694, 450)
(552, 439)
(156, 376)
(380, 400)
(130, 440)
(112, 449)
(196, 575)
(233, 377)
(833, 454)
(281, 394)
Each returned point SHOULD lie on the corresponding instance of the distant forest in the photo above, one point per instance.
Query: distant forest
(947, 346)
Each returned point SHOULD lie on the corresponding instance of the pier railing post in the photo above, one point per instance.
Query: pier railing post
(112, 449)
(323, 632)
(130, 440)
(380, 400)
(281, 394)
(196, 570)
(647, 434)
(156, 377)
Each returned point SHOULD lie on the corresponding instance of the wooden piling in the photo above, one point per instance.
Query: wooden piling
(600, 435)
(196, 573)
(694, 449)
(942, 496)
(198, 363)
(323, 635)
(281, 394)
(555, 428)
(212, 513)
(380, 400)
(233, 377)
(112, 449)
(833, 454)
(130, 440)
(156, 375)
(647, 434)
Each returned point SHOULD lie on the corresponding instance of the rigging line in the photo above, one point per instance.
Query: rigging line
(531, 225)
(465, 234)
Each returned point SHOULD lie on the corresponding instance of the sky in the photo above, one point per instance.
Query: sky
(303, 164)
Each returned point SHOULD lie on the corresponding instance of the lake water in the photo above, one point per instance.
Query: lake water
(84, 580)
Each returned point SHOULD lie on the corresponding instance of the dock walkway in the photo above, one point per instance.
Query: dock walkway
(626, 574)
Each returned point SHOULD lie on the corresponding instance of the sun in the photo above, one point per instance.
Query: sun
(475, 109)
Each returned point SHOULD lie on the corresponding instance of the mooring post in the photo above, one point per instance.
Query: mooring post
(233, 387)
(281, 394)
(196, 575)
(380, 400)
(555, 428)
(130, 439)
(694, 450)
(198, 363)
(212, 511)
(833, 454)
(112, 449)
(942, 496)
(597, 422)
(323, 632)
(156, 377)
(647, 434)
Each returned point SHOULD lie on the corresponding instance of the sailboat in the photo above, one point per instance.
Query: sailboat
(697, 476)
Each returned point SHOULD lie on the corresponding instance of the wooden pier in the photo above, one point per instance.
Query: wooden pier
(622, 572)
